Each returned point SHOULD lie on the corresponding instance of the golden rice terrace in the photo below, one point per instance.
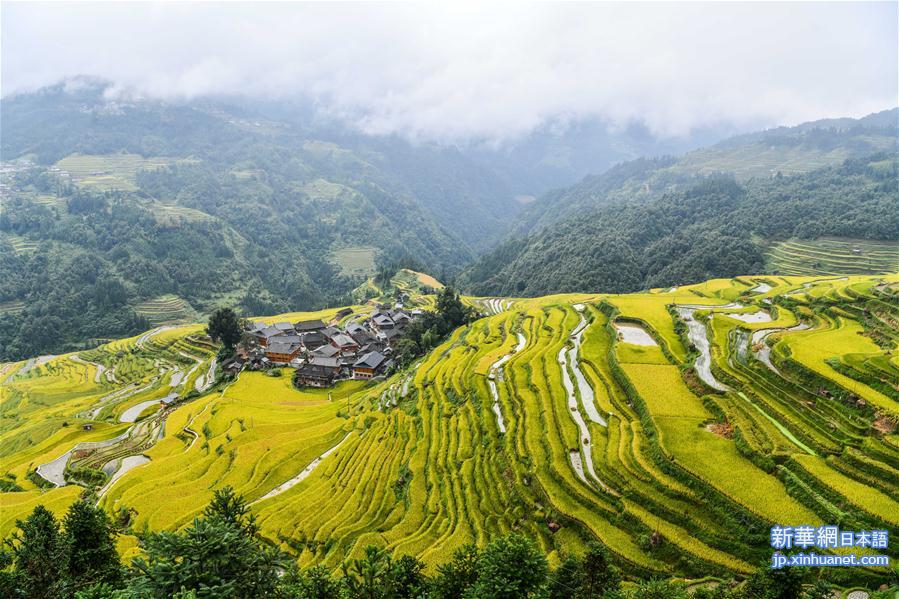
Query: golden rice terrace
(675, 426)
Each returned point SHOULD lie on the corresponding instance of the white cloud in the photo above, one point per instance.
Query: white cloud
(462, 71)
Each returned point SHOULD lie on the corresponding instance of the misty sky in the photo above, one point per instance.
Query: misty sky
(463, 71)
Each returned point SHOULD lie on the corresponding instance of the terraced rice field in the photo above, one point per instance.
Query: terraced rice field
(833, 257)
(11, 307)
(355, 261)
(763, 160)
(20, 244)
(108, 171)
(567, 418)
(166, 309)
(174, 216)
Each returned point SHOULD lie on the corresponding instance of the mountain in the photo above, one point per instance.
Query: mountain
(81, 117)
(113, 208)
(135, 211)
(764, 154)
(713, 227)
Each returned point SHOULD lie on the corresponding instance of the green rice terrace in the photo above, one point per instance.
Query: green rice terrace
(833, 257)
(108, 171)
(676, 426)
(166, 309)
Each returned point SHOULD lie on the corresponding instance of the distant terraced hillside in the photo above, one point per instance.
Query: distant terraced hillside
(674, 426)
(110, 171)
(166, 309)
(832, 257)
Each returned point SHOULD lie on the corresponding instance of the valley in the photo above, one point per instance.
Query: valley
(673, 425)
(578, 300)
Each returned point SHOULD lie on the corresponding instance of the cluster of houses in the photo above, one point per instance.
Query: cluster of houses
(323, 353)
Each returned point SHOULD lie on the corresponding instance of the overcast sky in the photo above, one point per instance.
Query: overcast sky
(460, 71)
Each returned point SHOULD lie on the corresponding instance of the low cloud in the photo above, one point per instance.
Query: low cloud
(467, 72)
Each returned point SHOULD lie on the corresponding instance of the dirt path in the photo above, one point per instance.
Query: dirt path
(496, 373)
(303, 474)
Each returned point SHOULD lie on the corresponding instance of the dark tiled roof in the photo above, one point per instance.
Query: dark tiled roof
(279, 347)
(309, 325)
(370, 360)
(325, 351)
(315, 372)
(343, 340)
(269, 332)
(324, 362)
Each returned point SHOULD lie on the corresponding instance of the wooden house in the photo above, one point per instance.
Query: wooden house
(369, 365)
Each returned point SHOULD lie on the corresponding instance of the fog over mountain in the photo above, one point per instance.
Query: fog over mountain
(486, 74)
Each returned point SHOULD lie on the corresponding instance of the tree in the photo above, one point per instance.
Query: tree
(378, 576)
(90, 547)
(565, 581)
(406, 578)
(767, 583)
(511, 566)
(212, 556)
(225, 327)
(232, 509)
(458, 575)
(661, 589)
(364, 577)
(219, 555)
(597, 574)
(37, 553)
(311, 583)
(451, 308)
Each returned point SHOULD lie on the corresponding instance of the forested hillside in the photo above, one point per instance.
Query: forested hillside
(762, 155)
(120, 212)
(113, 205)
(709, 229)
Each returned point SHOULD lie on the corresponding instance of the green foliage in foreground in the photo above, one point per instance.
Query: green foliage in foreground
(222, 555)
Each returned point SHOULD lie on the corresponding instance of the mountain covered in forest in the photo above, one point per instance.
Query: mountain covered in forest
(711, 228)
(122, 212)
(759, 155)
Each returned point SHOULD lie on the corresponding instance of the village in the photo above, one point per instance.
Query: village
(324, 353)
